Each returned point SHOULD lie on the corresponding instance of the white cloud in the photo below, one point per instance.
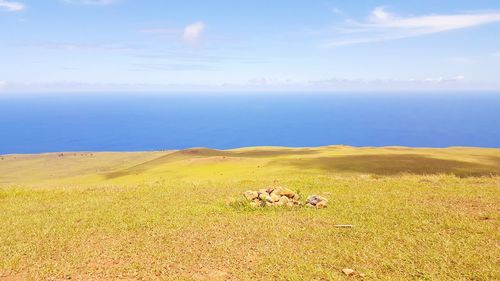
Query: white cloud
(382, 25)
(457, 78)
(193, 32)
(380, 15)
(91, 2)
(427, 80)
(12, 6)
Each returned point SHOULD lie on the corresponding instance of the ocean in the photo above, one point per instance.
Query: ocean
(37, 123)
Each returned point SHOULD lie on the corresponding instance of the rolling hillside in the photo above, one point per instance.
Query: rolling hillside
(169, 215)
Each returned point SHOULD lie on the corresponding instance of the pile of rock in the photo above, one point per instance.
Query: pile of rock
(316, 201)
(280, 196)
(274, 196)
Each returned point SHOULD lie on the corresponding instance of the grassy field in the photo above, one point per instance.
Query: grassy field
(418, 214)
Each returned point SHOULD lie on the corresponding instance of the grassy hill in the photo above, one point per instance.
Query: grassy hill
(417, 214)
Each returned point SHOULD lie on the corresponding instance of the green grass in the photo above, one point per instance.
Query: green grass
(425, 214)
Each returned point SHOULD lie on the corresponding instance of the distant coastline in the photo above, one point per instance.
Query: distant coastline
(215, 151)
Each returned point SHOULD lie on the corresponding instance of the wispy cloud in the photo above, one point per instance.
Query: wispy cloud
(199, 57)
(426, 80)
(91, 2)
(382, 25)
(160, 30)
(68, 46)
(190, 34)
(12, 6)
(265, 84)
(171, 67)
(193, 32)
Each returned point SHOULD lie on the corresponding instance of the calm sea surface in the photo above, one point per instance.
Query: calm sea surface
(132, 122)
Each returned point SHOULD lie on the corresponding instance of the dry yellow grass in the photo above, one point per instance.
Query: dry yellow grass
(418, 214)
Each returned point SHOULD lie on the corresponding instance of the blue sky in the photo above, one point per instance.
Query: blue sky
(73, 45)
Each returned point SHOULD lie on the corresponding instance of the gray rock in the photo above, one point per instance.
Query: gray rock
(283, 201)
(315, 199)
(251, 195)
(275, 197)
(262, 191)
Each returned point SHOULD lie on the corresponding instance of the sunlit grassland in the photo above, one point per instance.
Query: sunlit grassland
(417, 214)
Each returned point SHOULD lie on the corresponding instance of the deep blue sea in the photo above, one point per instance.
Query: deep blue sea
(37, 123)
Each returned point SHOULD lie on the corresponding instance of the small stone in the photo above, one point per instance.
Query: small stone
(275, 197)
(283, 201)
(309, 205)
(262, 191)
(277, 191)
(315, 199)
(288, 193)
(348, 271)
(296, 197)
(251, 195)
(321, 205)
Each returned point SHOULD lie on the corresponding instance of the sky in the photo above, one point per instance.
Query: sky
(305, 45)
